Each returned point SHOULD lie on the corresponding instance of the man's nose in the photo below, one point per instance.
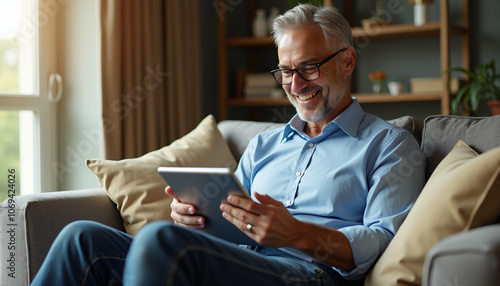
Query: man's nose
(297, 83)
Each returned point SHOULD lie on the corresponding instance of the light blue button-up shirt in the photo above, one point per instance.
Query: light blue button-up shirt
(360, 176)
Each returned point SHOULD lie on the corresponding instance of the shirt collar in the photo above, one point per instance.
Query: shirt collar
(348, 121)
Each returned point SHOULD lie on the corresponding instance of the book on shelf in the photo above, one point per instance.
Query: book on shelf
(432, 85)
(258, 85)
(258, 89)
(275, 93)
(259, 79)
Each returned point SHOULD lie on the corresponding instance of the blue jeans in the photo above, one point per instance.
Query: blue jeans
(89, 253)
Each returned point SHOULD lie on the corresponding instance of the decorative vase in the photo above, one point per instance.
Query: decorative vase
(378, 81)
(259, 24)
(395, 87)
(421, 13)
(494, 106)
(378, 87)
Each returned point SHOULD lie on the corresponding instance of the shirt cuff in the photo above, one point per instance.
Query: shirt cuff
(367, 245)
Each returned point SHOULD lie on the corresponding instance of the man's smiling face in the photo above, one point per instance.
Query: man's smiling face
(315, 100)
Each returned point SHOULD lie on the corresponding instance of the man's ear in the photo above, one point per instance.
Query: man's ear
(349, 60)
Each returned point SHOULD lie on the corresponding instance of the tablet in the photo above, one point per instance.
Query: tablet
(205, 188)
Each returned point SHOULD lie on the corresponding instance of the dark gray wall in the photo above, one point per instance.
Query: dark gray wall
(399, 59)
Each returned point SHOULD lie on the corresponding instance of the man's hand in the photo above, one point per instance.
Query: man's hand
(184, 214)
(272, 224)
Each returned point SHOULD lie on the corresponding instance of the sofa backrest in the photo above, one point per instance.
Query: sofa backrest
(410, 124)
(238, 133)
(442, 132)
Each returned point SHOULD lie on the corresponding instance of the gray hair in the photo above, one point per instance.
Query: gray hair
(328, 18)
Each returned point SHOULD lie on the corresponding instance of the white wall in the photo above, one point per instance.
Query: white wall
(80, 107)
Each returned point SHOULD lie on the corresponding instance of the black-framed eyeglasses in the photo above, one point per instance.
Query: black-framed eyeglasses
(307, 72)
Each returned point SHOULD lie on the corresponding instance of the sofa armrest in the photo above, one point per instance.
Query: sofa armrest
(33, 222)
(468, 258)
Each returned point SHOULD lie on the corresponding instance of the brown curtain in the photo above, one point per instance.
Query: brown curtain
(151, 91)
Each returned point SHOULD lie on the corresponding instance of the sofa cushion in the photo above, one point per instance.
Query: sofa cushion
(462, 193)
(135, 185)
(410, 124)
(441, 132)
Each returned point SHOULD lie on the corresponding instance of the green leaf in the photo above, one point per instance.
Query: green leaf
(462, 70)
(475, 96)
(461, 99)
(454, 107)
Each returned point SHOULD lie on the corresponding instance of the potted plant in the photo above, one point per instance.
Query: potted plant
(483, 84)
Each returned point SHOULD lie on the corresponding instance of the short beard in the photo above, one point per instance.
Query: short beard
(320, 110)
(327, 105)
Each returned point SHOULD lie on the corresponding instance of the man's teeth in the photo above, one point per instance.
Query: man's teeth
(306, 97)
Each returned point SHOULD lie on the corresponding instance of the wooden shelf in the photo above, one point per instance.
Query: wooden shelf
(404, 97)
(250, 42)
(362, 98)
(396, 31)
(258, 101)
(399, 31)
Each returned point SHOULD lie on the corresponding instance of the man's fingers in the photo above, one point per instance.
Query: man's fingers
(188, 220)
(267, 200)
(181, 208)
(238, 216)
(184, 214)
(244, 203)
(170, 192)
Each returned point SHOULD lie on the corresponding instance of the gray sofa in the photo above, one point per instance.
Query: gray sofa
(472, 258)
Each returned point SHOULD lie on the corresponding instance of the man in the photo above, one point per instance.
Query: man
(329, 190)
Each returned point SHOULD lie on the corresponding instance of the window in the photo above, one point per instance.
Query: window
(27, 116)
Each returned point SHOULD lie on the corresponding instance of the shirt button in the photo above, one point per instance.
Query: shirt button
(311, 145)
(289, 202)
(298, 173)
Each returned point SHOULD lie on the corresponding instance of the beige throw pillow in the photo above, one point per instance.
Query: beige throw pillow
(137, 188)
(462, 193)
